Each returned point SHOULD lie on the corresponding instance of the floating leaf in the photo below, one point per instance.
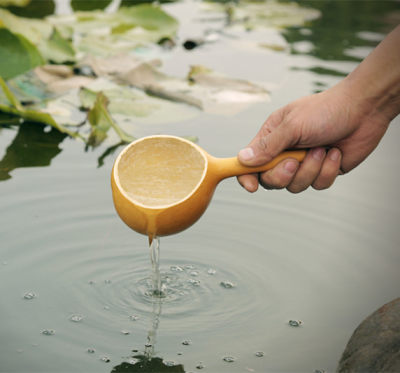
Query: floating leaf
(203, 88)
(57, 49)
(13, 106)
(89, 4)
(20, 3)
(17, 54)
(32, 8)
(101, 121)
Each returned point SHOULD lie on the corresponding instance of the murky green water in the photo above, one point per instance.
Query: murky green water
(75, 280)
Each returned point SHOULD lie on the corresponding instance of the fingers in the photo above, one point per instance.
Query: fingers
(274, 136)
(308, 170)
(249, 182)
(330, 169)
(319, 169)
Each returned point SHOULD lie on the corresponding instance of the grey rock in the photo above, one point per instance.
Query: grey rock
(375, 344)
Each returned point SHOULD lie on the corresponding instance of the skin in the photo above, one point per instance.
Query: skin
(341, 126)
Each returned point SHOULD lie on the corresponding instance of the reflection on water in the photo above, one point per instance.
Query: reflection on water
(34, 145)
(341, 28)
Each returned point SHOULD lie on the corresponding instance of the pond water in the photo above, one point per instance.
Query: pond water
(75, 280)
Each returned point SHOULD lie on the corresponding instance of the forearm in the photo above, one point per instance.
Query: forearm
(375, 83)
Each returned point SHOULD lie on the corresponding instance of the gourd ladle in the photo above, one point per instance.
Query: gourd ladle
(162, 184)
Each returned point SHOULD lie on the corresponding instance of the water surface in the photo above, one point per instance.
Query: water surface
(75, 280)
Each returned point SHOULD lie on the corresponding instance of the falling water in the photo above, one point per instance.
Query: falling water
(155, 264)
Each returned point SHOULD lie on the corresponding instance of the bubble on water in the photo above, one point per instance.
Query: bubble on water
(227, 284)
(148, 345)
(107, 281)
(189, 266)
(176, 269)
(135, 351)
(76, 318)
(169, 363)
(200, 366)
(30, 295)
(179, 353)
(187, 342)
(229, 359)
(105, 359)
(90, 350)
(133, 318)
(259, 354)
(48, 332)
(194, 282)
(319, 371)
(125, 332)
(295, 323)
(211, 271)
(194, 273)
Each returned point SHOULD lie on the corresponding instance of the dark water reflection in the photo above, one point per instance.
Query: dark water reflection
(148, 365)
(338, 29)
(33, 146)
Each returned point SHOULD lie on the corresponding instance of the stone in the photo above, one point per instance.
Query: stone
(375, 344)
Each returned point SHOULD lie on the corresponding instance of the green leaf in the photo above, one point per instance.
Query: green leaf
(89, 4)
(57, 49)
(32, 8)
(15, 107)
(17, 54)
(20, 3)
(150, 17)
(101, 121)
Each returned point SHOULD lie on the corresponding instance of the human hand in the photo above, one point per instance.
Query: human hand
(338, 127)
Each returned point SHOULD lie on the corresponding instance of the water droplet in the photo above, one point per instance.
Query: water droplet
(107, 281)
(105, 359)
(211, 271)
(133, 317)
(76, 318)
(194, 282)
(179, 353)
(106, 307)
(295, 323)
(169, 363)
(148, 345)
(319, 371)
(187, 342)
(259, 354)
(29, 295)
(125, 332)
(200, 366)
(227, 284)
(229, 359)
(176, 269)
(91, 350)
(48, 332)
(135, 351)
(194, 273)
(189, 266)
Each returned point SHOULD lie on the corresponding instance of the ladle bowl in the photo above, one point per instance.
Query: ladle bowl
(162, 184)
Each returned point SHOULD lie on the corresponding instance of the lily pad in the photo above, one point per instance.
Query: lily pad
(17, 54)
(57, 49)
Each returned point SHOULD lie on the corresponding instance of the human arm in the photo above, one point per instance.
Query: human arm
(341, 126)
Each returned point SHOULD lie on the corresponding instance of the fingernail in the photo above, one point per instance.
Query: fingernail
(290, 167)
(334, 154)
(318, 153)
(246, 154)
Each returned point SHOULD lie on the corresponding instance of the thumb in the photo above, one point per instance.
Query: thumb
(266, 145)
